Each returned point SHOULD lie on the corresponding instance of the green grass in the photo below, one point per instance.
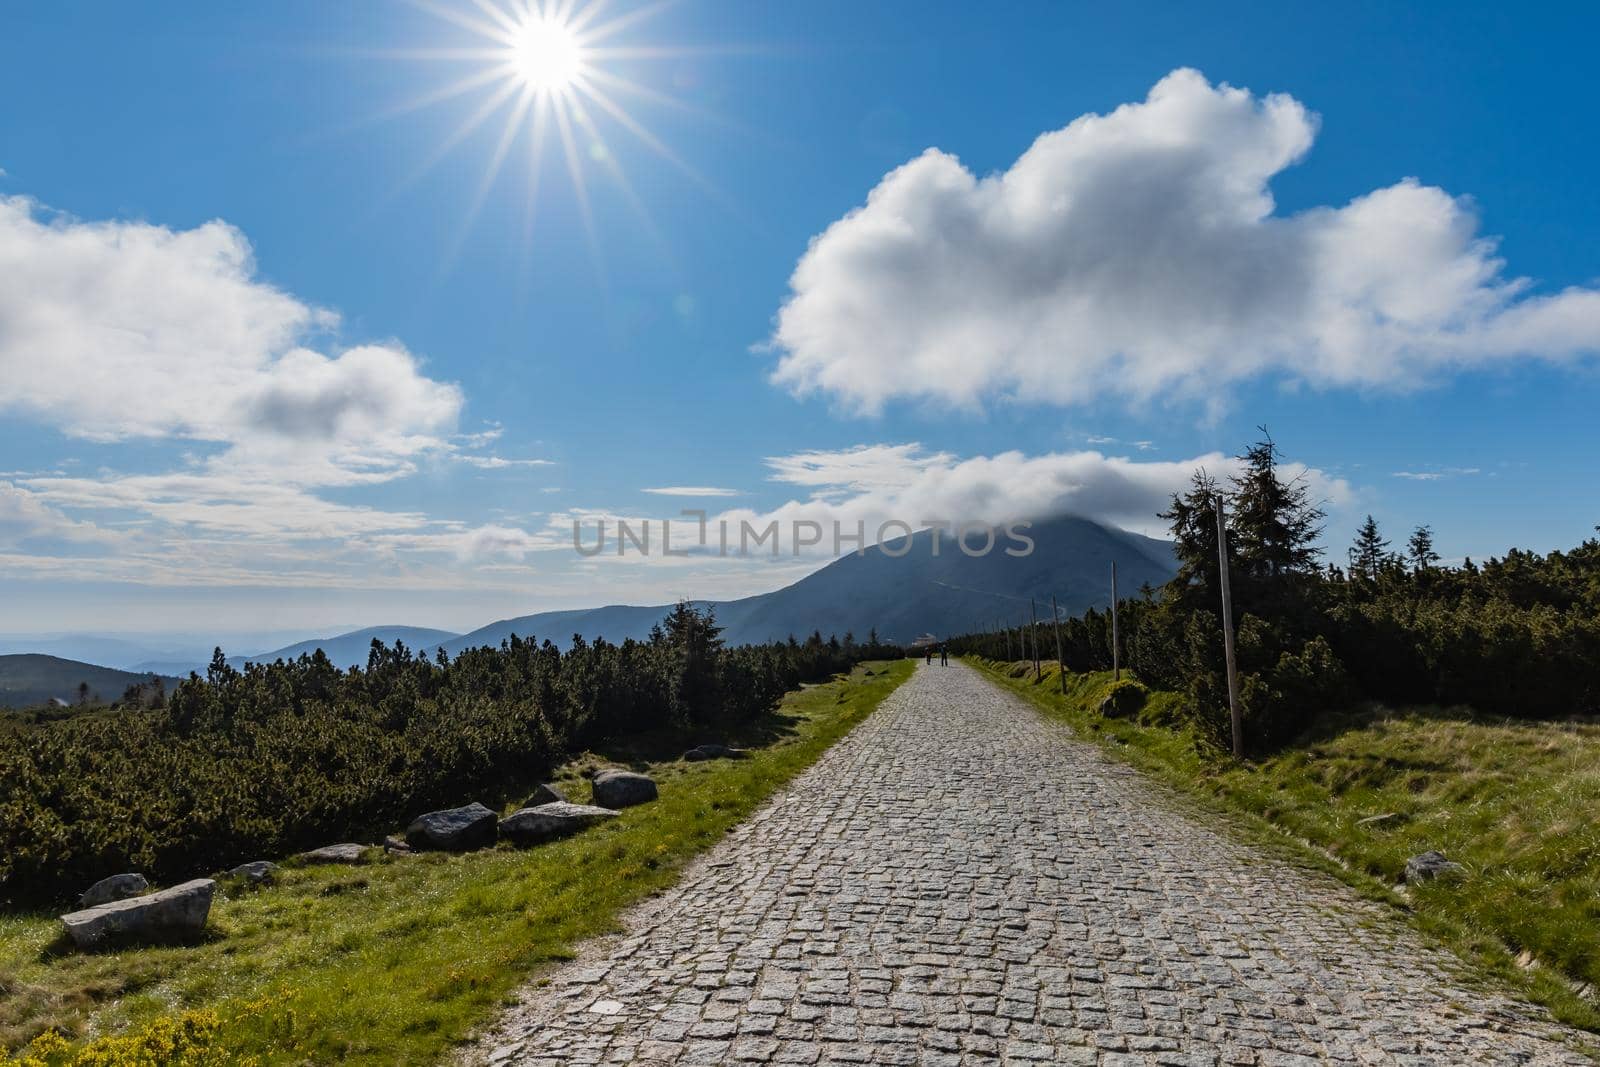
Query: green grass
(395, 961)
(1514, 801)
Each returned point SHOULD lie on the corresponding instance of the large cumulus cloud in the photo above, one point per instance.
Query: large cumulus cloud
(869, 486)
(119, 329)
(1138, 253)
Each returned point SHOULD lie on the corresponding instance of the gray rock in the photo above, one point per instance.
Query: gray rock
(622, 789)
(706, 752)
(547, 822)
(117, 887)
(454, 829)
(545, 793)
(256, 872)
(1431, 865)
(349, 852)
(179, 911)
(396, 844)
(1123, 701)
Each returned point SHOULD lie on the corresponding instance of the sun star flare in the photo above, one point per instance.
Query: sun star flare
(545, 69)
(548, 55)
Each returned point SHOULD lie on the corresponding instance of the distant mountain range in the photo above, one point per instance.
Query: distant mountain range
(118, 652)
(172, 653)
(900, 590)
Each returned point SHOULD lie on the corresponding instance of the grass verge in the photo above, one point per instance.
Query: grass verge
(1511, 800)
(395, 961)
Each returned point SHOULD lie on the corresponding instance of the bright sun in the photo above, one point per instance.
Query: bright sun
(546, 70)
(547, 54)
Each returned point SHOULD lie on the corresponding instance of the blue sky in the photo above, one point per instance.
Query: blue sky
(189, 438)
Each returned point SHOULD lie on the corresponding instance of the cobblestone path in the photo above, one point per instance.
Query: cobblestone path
(959, 881)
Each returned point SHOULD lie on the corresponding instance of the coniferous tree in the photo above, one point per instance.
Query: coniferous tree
(1420, 549)
(697, 639)
(1369, 553)
(1275, 523)
(1192, 520)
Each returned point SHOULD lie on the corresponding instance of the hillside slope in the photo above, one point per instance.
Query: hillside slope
(30, 679)
(900, 596)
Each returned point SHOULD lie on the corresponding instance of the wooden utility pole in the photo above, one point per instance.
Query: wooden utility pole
(1061, 664)
(1116, 645)
(1033, 614)
(1008, 644)
(1235, 713)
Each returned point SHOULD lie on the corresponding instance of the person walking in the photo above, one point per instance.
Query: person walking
(929, 651)
(944, 657)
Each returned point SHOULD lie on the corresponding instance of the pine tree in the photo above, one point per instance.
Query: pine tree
(221, 671)
(697, 639)
(1420, 549)
(1192, 520)
(1275, 524)
(1370, 551)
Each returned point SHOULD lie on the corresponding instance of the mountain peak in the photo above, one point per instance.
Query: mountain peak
(902, 588)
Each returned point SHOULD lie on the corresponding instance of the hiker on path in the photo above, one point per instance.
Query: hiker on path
(944, 657)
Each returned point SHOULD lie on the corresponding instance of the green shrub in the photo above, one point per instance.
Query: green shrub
(184, 1041)
(285, 756)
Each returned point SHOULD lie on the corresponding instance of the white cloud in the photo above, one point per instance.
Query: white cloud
(871, 485)
(1138, 254)
(24, 516)
(691, 490)
(112, 330)
(212, 505)
(1097, 439)
(1437, 474)
(492, 541)
(476, 544)
(882, 482)
(494, 463)
(861, 469)
(482, 437)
